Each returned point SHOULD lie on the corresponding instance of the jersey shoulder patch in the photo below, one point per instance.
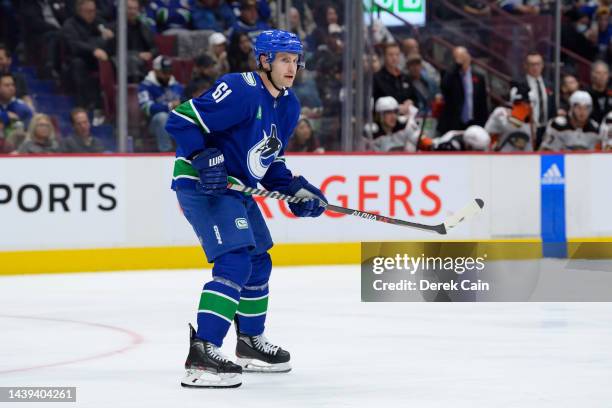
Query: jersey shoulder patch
(249, 78)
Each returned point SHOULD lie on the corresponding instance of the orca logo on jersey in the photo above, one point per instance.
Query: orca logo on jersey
(261, 156)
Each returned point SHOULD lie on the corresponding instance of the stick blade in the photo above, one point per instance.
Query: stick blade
(466, 212)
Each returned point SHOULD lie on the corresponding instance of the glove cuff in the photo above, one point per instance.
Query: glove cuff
(296, 185)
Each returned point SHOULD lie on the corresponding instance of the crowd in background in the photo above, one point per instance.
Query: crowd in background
(457, 95)
(178, 48)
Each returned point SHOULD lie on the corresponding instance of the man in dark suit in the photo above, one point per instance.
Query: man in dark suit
(391, 81)
(465, 95)
(543, 101)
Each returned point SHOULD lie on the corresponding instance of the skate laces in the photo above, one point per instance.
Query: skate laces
(264, 345)
(214, 352)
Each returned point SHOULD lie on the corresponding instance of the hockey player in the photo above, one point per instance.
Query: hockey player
(574, 131)
(239, 128)
(511, 129)
(605, 132)
(472, 138)
(392, 132)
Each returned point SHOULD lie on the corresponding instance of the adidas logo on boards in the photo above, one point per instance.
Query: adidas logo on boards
(553, 175)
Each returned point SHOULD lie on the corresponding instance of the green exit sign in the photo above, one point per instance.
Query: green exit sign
(412, 11)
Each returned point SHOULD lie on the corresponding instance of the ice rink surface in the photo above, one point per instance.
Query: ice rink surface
(121, 338)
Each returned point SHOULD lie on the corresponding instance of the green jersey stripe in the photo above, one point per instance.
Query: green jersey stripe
(198, 117)
(187, 118)
(182, 168)
(187, 111)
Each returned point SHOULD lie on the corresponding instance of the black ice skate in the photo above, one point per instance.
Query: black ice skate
(257, 355)
(206, 367)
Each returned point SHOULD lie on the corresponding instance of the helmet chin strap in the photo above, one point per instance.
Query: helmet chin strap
(269, 76)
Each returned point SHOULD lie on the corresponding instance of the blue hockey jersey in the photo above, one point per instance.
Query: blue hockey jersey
(153, 97)
(242, 119)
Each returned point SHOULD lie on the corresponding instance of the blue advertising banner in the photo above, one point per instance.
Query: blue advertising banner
(552, 181)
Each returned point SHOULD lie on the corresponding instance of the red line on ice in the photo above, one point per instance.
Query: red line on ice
(135, 340)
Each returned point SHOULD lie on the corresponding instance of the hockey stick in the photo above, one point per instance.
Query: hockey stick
(466, 212)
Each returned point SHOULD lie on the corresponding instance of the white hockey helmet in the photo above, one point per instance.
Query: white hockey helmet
(386, 104)
(477, 138)
(581, 98)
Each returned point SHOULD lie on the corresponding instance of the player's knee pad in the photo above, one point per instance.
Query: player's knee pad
(234, 267)
(261, 267)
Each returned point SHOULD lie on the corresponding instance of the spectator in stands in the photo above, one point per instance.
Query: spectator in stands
(600, 90)
(474, 138)
(5, 145)
(305, 88)
(81, 140)
(158, 94)
(331, 48)
(543, 105)
(240, 55)
(326, 17)
(424, 89)
(525, 7)
(576, 130)
(605, 132)
(165, 15)
(381, 36)
(248, 22)
(43, 21)
(295, 24)
(390, 81)
(600, 32)
(392, 132)
(88, 40)
(140, 43)
(465, 95)
(411, 46)
(217, 44)
(511, 128)
(20, 82)
(573, 35)
(569, 85)
(13, 111)
(203, 76)
(589, 7)
(303, 139)
(40, 137)
(214, 15)
(174, 18)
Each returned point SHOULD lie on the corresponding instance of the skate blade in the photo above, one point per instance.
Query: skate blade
(207, 379)
(252, 365)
